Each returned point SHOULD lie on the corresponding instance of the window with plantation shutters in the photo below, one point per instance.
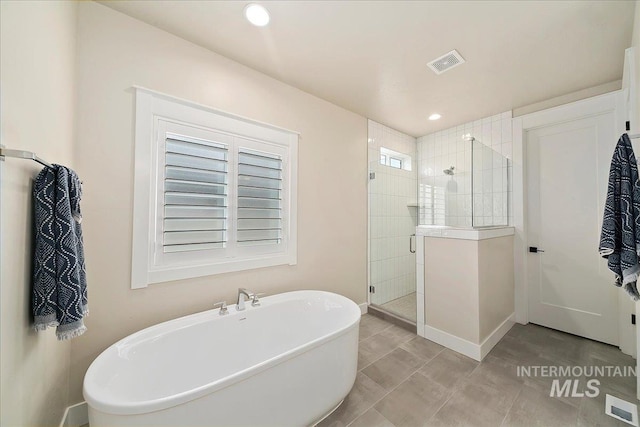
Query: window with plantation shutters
(214, 193)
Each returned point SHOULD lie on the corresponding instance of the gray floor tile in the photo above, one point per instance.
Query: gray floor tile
(372, 349)
(378, 345)
(371, 418)
(363, 395)
(393, 368)
(516, 351)
(413, 402)
(371, 325)
(450, 389)
(448, 368)
(534, 408)
(474, 405)
(397, 335)
(499, 373)
(423, 348)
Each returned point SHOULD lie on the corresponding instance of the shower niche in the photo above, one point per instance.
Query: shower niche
(465, 187)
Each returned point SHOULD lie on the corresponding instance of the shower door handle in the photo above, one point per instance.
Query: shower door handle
(412, 246)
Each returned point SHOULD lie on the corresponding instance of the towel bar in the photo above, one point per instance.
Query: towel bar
(20, 154)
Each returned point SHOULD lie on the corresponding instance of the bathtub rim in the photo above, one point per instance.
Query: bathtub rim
(146, 406)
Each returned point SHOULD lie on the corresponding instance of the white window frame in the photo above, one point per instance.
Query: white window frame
(386, 155)
(157, 114)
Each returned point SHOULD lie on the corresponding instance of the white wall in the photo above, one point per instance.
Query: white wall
(37, 91)
(116, 52)
(392, 221)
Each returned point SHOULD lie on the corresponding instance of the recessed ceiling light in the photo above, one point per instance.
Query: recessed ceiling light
(434, 116)
(256, 14)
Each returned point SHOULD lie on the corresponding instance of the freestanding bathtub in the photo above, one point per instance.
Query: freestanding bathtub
(288, 362)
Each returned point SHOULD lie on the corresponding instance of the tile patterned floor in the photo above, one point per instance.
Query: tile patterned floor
(405, 380)
(404, 306)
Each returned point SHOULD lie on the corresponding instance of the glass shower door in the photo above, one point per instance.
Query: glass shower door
(393, 217)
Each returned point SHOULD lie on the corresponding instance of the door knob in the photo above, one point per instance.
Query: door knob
(534, 249)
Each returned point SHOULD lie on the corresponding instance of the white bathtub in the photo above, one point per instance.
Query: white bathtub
(288, 362)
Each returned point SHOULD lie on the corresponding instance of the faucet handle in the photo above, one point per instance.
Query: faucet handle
(254, 299)
(223, 307)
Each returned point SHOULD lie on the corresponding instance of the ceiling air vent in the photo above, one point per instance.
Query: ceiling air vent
(446, 62)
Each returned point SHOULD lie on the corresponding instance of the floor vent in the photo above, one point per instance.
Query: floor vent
(621, 410)
(446, 62)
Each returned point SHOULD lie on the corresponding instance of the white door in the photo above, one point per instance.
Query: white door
(570, 287)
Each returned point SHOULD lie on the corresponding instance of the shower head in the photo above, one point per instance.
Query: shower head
(449, 171)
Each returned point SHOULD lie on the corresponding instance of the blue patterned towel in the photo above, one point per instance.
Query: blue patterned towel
(620, 238)
(59, 294)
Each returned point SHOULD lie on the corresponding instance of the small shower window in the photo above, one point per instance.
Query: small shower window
(395, 159)
(395, 163)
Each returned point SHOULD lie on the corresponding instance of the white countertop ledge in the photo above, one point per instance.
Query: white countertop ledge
(463, 233)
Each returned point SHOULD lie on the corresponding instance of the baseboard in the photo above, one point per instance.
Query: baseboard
(497, 334)
(76, 415)
(363, 307)
(453, 342)
(468, 348)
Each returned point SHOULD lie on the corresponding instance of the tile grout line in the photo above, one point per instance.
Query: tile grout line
(385, 354)
(511, 406)
(394, 388)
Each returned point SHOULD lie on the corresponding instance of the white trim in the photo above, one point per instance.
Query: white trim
(453, 342)
(463, 233)
(579, 109)
(364, 308)
(497, 334)
(75, 415)
(468, 348)
(420, 307)
(197, 105)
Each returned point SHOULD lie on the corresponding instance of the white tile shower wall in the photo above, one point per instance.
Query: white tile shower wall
(392, 217)
(447, 200)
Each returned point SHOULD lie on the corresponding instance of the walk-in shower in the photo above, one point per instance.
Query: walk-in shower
(465, 184)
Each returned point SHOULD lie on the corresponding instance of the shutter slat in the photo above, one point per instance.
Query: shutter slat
(196, 150)
(260, 242)
(257, 160)
(259, 171)
(251, 202)
(263, 193)
(252, 224)
(192, 247)
(194, 212)
(247, 213)
(172, 185)
(195, 162)
(258, 182)
(189, 237)
(194, 224)
(252, 235)
(191, 199)
(196, 175)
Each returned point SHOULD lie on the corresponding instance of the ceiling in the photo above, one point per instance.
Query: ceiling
(370, 56)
